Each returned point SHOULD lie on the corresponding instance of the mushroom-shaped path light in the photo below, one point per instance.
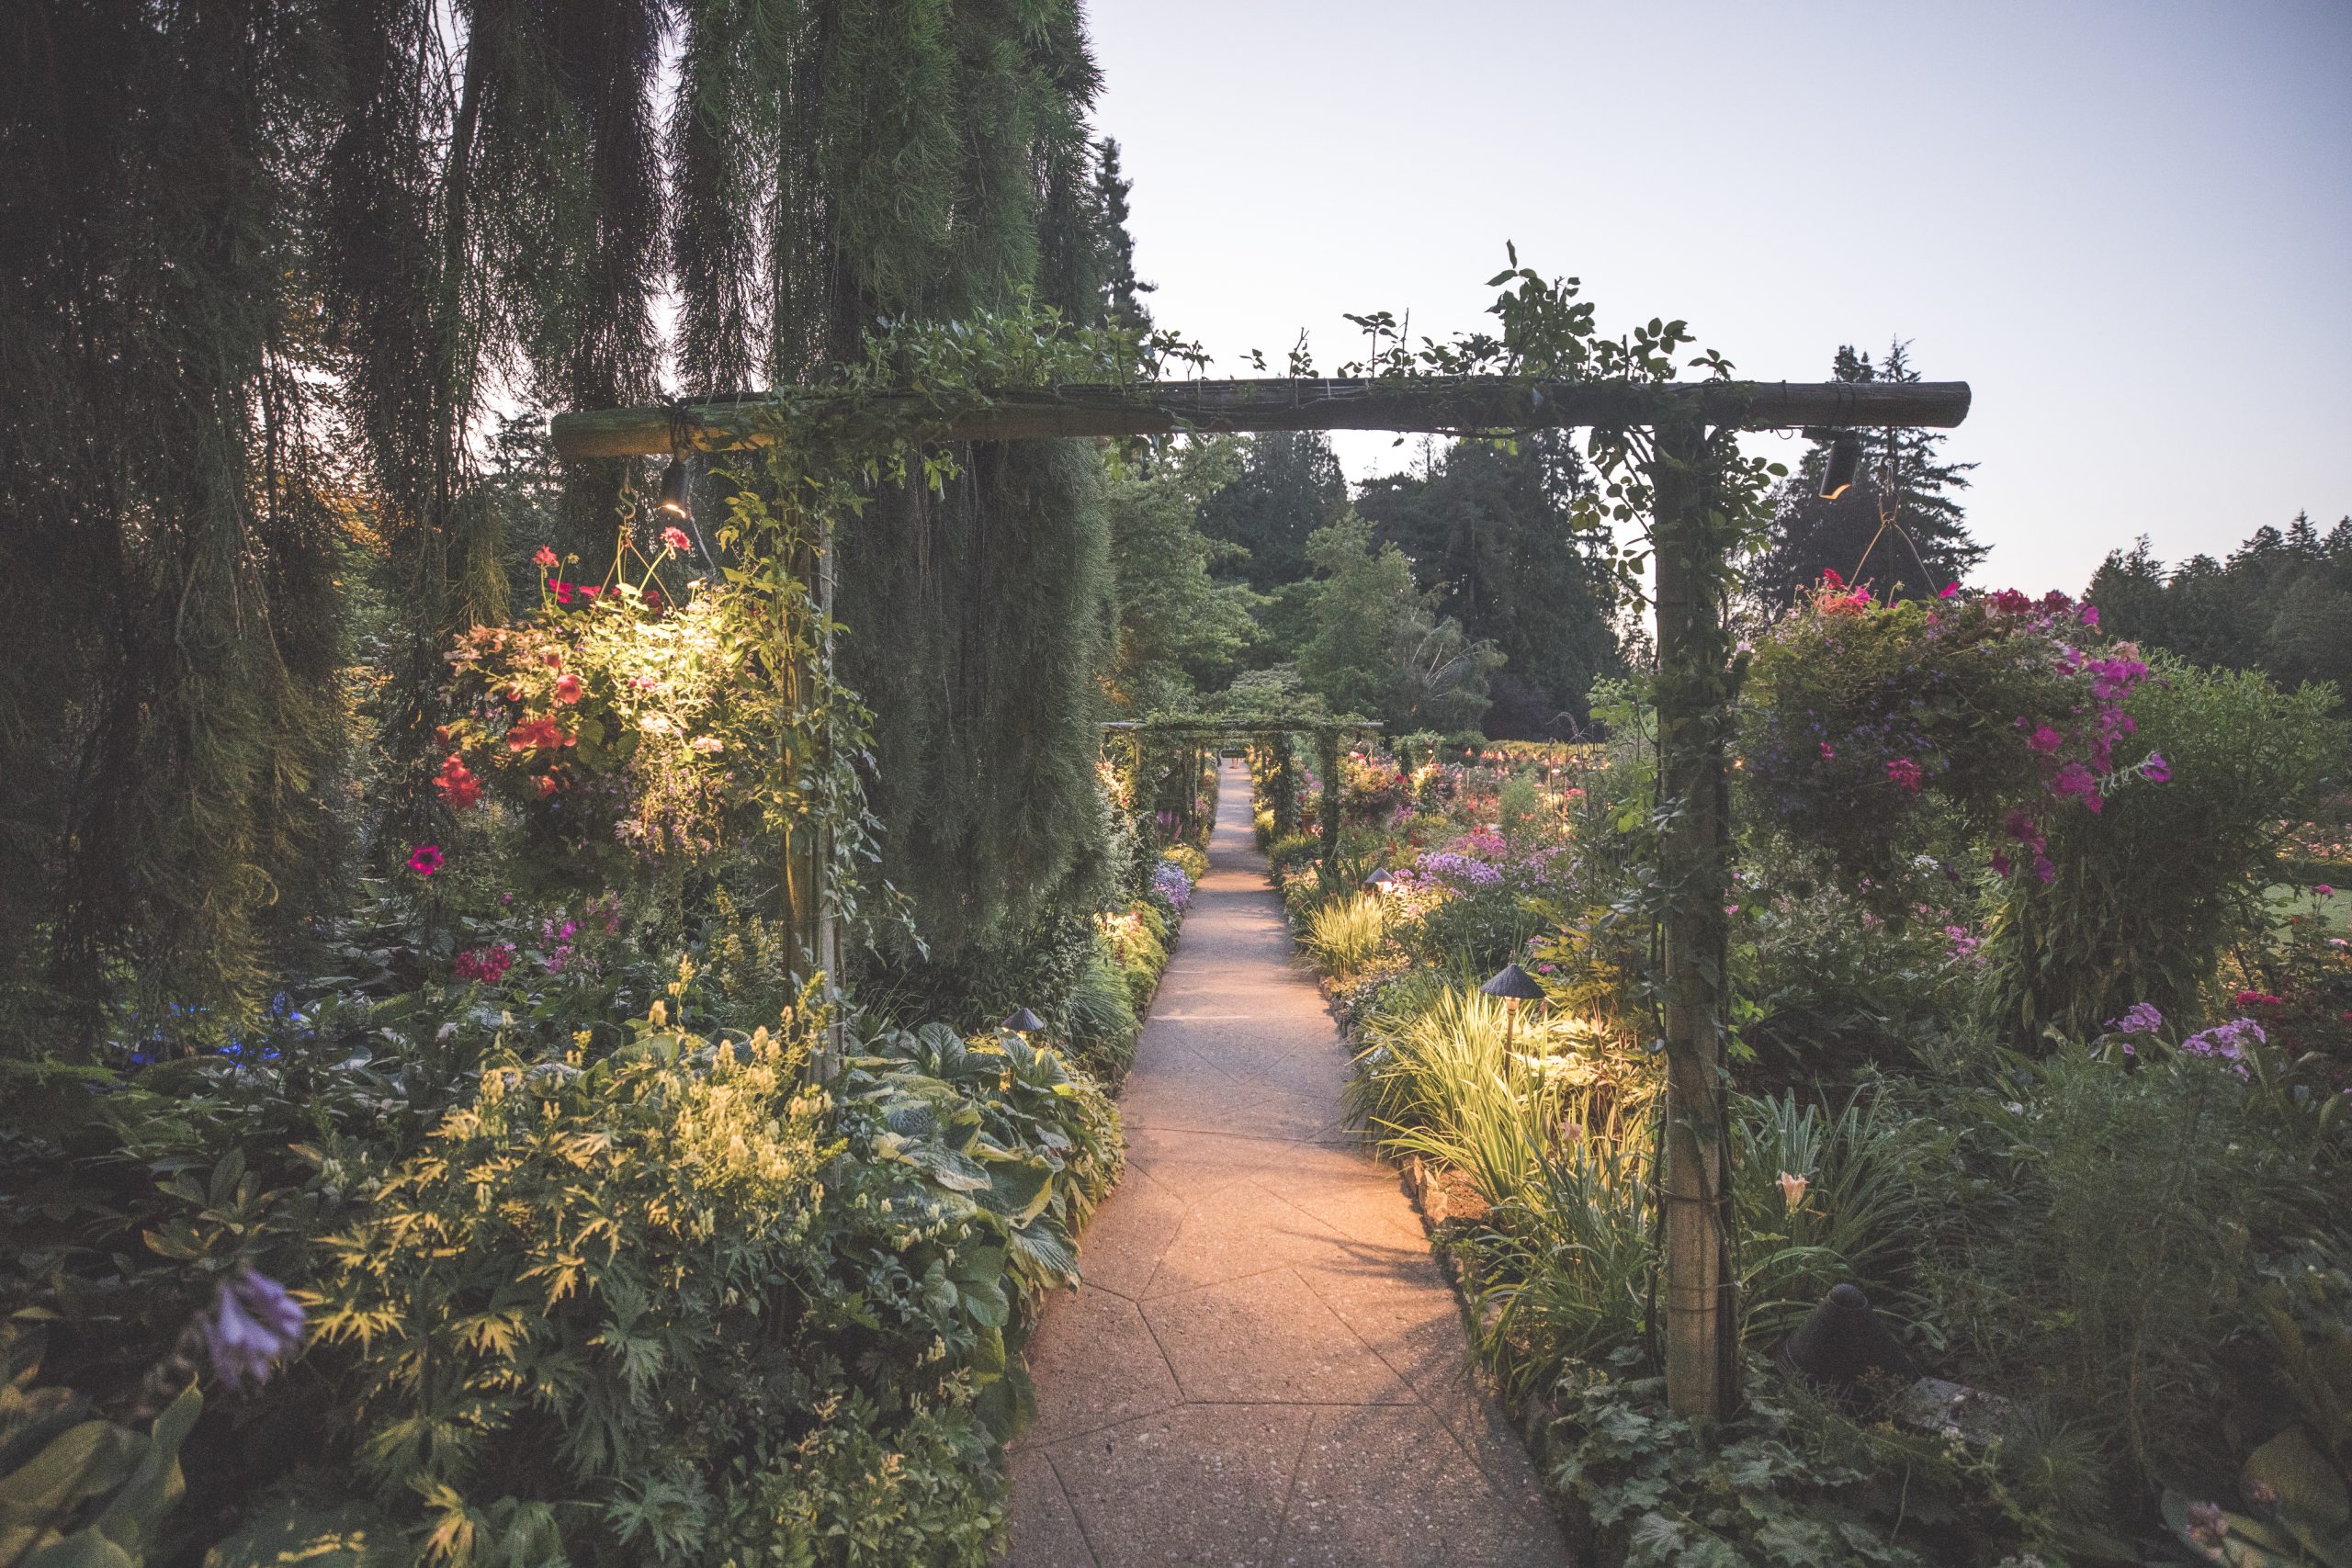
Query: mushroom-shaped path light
(1380, 882)
(1022, 1023)
(1514, 986)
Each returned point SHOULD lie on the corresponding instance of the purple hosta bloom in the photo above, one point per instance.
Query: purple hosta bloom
(254, 1326)
(1167, 880)
(2226, 1043)
(2140, 1018)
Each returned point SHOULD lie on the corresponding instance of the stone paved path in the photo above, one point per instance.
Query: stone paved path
(1264, 1365)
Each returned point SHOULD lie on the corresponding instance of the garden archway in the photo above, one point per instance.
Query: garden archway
(1698, 671)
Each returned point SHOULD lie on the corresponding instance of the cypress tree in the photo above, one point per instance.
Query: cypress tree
(916, 159)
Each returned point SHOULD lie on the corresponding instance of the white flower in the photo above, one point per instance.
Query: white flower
(706, 744)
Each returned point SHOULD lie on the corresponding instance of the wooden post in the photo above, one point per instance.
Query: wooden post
(1327, 759)
(1701, 1346)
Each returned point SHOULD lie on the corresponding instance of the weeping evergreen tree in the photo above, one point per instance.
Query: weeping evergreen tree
(840, 164)
(168, 725)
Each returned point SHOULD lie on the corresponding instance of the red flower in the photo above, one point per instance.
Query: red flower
(547, 785)
(676, 539)
(457, 783)
(541, 734)
(1830, 575)
(563, 593)
(568, 688)
(545, 559)
(426, 859)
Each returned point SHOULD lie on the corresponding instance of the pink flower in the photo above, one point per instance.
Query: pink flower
(545, 559)
(1828, 752)
(2046, 739)
(568, 689)
(676, 539)
(2324, 891)
(1903, 773)
(1952, 591)
(426, 859)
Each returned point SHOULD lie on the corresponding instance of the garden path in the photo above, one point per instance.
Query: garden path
(1264, 1365)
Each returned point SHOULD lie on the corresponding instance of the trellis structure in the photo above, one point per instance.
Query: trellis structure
(1696, 678)
(1200, 733)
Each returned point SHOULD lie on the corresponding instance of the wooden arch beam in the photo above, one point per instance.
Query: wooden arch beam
(1433, 405)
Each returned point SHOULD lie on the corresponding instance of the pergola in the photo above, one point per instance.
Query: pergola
(1199, 733)
(1693, 693)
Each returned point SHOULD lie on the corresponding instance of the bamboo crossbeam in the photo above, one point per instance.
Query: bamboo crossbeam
(1432, 404)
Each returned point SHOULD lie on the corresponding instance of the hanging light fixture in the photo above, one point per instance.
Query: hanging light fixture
(1844, 462)
(677, 485)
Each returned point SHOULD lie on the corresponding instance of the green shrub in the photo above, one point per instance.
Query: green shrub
(1346, 935)
(2148, 891)
(1288, 854)
(1853, 1221)
(1784, 1484)
(1104, 1028)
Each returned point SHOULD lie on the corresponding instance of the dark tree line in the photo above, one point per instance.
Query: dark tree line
(2281, 602)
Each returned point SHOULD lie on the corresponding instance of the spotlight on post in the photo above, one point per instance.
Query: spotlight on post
(1844, 462)
(1022, 1023)
(676, 500)
(1514, 986)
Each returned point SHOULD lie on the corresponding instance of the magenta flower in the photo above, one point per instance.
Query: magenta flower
(2155, 770)
(426, 859)
(1903, 773)
(254, 1324)
(2046, 739)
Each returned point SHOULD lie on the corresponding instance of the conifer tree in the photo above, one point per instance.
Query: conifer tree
(843, 165)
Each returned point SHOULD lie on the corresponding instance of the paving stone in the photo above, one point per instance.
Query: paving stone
(1095, 1363)
(1200, 1486)
(1238, 1229)
(1268, 1337)
(1045, 1532)
(1387, 1486)
(1122, 1242)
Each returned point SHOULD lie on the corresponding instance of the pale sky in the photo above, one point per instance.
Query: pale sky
(2129, 226)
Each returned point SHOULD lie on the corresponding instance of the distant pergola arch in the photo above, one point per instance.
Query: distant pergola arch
(1200, 732)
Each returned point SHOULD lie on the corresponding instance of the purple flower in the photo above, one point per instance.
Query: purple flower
(1167, 880)
(2155, 770)
(2140, 1018)
(254, 1324)
(2226, 1042)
